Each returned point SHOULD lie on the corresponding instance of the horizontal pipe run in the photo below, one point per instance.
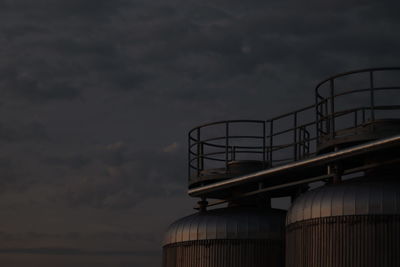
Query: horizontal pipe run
(302, 181)
(319, 160)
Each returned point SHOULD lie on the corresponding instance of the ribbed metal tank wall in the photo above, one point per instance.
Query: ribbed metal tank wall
(353, 224)
(230, 237)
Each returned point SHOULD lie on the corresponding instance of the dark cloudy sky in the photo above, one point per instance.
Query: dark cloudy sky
(97, 97)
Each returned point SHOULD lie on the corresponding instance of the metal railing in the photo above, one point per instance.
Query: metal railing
(289, 137)
(220, 148)
(270, 145)
(328, 112)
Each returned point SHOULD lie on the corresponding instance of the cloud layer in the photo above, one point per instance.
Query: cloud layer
(97, 98)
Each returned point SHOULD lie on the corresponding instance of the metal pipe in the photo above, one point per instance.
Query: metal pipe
(272, 188)
(322, 159)
(304, 181)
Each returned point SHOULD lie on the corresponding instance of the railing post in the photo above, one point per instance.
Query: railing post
(356, 118)
(271, 132)
(372, 96)
(189, 157)
(332, 87)
(301, 142)
(198, 152)
(317, 114)
(304, 142)
(226, 145)
(295, 136)
(327, 119)
(264, 144)
(363, 115)
(202, 155)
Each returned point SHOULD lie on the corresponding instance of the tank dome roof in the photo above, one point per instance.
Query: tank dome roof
(228, 223)
(348, 198)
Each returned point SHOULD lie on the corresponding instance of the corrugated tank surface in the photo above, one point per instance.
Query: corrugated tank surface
(355, 223)
(236, 237)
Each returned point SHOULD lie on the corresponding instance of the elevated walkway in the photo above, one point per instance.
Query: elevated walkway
(350, 109)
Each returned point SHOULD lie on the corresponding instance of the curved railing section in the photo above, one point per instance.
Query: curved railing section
(213, 146)
(216, 149)
(350, 105)
(346, 106)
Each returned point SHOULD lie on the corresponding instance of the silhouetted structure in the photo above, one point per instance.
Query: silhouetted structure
(228, 237)
(354, 223)
(351, 131)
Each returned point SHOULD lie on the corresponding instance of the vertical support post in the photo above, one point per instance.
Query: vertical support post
(355, 118)
(327, 118)
(189, 156)
(317, 115)
(271, 143)
(372, 96)
(198, 152)
(226, 145)
(202, 155)
(304, 142)
(337, 178)
(336, 171)
(332, 117)
(264, 145)
(203, 204)
(300, 141)
(295, 136)
(363, 115)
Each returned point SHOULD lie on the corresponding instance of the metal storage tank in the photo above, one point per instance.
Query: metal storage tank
(231, 237)
(354, 223)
